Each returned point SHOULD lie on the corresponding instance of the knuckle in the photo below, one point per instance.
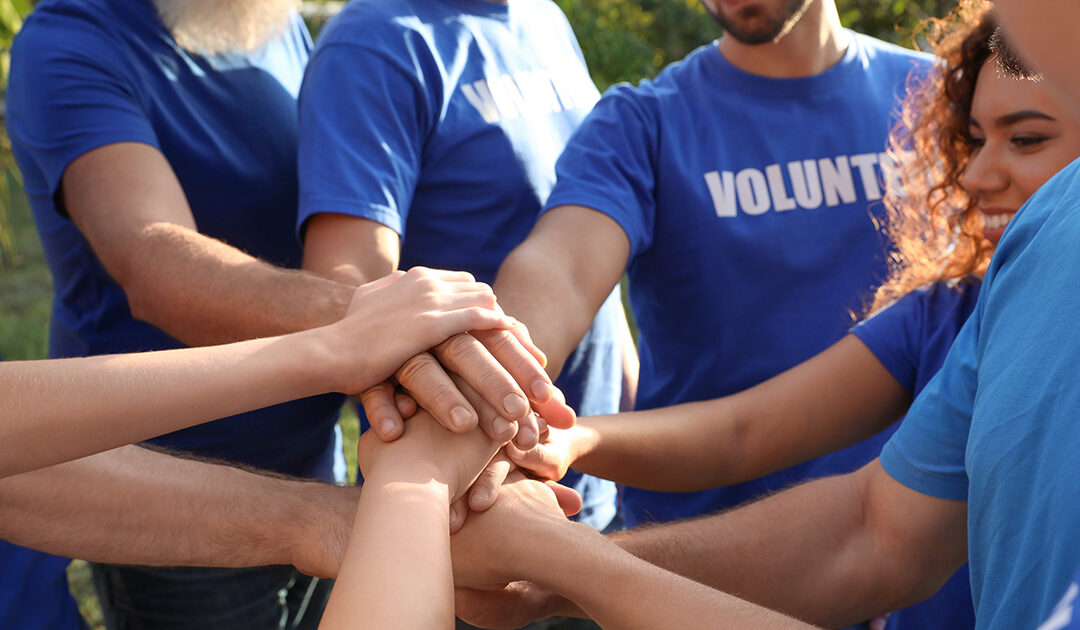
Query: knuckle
(415, 369)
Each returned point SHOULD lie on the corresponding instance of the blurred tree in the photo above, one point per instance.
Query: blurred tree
(11, 14)
(627, 40)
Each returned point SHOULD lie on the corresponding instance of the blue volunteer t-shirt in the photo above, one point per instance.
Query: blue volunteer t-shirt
(911, 339)
(88, 73)
(747, 202)
(997, 425)
(443, 119)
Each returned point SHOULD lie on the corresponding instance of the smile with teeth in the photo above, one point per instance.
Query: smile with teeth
(997, 220)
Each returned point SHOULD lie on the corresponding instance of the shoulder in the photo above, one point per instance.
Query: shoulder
(361, 20)
(59, 26)
(883, 54)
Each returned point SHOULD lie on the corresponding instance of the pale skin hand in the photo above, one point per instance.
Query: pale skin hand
(505, 367)
(835, 399)
(97, 398)
(189, 513)
(401, 542)
(830, 561)
(579, 563)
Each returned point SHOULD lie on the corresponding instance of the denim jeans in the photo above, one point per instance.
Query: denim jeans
(262, 598)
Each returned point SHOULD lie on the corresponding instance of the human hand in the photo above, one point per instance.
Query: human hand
(527, 511)
(515, 605)
(427, 451)
(497, 365)
(553, 455)
(401, 314)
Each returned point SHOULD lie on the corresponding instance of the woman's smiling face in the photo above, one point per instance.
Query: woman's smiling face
(1020, 137)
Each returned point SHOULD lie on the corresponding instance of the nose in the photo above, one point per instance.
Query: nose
(983, 173)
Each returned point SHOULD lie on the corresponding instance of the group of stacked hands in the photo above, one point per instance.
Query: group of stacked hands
(160, 143)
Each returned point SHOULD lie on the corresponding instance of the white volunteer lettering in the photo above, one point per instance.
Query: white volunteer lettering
(752, 190)
(564, 87)
(781, 200)
(1062, 613)
(809, 184)
(722, 193)
(538, 92)
(509, 97)
(805, 183)
(479, 96)
(865, 163)
(506, 96)
(836, 180)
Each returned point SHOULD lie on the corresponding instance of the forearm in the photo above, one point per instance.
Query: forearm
(397, 569)
(835, 399)
(550, 303)
(694, 446)
(583, 566)
(114, 400)
(809, 552)
(136, 506)
(223, 294)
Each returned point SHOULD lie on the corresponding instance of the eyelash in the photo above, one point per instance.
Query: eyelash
(1021, 142)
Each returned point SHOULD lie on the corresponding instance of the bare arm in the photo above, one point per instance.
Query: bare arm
(136, 506)
(128, 204)
(830, 401)
(556, 280)
(816, 551)
(831, 552)
(580, 564)
(400, 544)
(108, 401)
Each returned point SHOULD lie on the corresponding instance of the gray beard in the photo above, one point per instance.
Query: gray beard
(210, 27)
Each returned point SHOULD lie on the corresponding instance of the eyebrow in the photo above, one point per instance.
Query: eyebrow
(1015, 117)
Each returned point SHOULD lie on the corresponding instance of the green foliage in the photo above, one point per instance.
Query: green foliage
(627, 40)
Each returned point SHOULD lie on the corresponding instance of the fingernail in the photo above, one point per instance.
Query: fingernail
(541, 389)
(480, 496)
(388, 426)
(526, 435)
(502, 428)
(516, 406)
(461, 417)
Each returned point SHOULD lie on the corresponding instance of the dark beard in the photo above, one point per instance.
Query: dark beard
(755, 25)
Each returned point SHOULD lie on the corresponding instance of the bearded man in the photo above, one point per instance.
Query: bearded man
(157, 140)
(737, 190)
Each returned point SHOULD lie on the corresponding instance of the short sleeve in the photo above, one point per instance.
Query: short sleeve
(608, 165)
(893, 335)
(70, 92)
(363, 121)
(927, 453)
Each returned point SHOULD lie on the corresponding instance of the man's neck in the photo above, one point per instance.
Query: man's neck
(816, 43)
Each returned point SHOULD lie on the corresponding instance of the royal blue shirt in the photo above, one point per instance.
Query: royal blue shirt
(911, 338)
(748, 205)
(997, 425)
(88, 73)
(443, 119)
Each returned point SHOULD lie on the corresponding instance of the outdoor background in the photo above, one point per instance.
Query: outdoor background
(623, 40)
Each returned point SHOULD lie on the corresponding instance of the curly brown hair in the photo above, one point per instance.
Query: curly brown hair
(934, 230)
